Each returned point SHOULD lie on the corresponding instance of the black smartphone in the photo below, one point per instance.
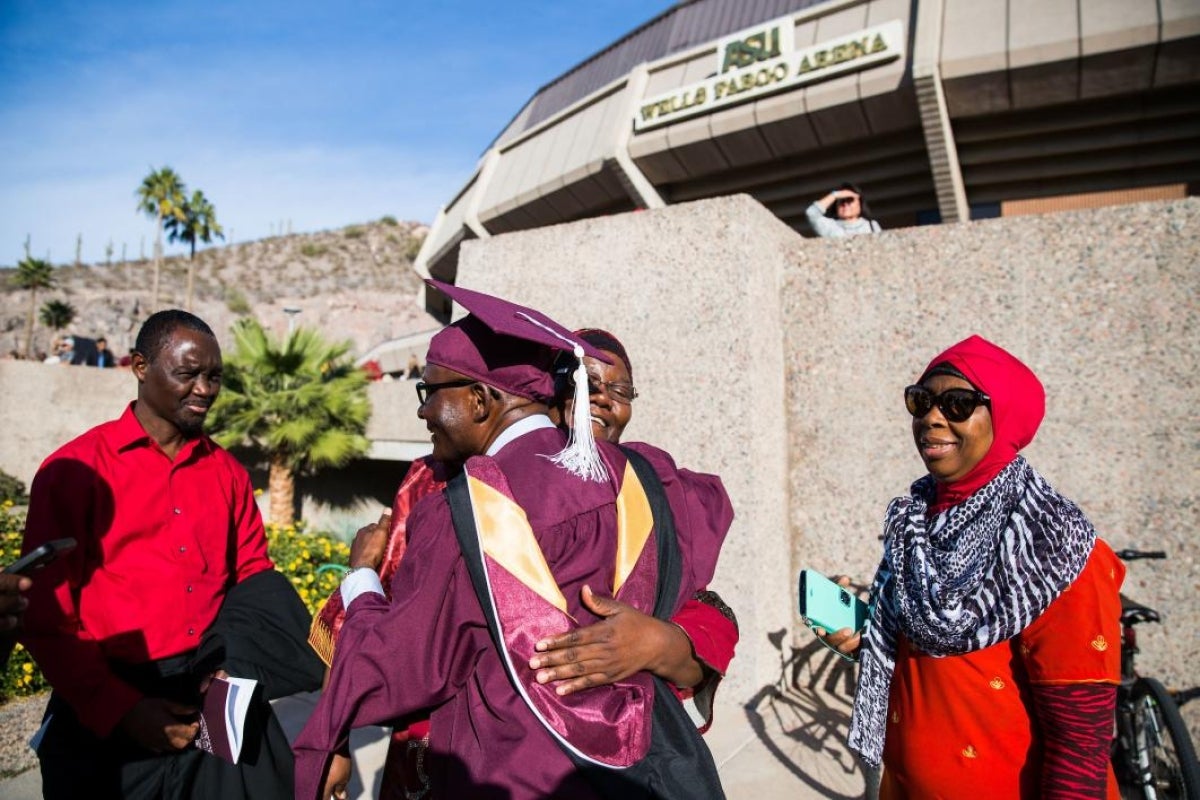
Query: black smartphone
(40, 556)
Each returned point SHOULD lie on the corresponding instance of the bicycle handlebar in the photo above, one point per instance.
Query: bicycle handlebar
(1129, 554)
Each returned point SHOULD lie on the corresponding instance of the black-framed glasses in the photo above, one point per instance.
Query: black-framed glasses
(424, 390)
(956, 405)
(620, 391)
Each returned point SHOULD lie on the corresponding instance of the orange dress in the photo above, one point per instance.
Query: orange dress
(964, 726)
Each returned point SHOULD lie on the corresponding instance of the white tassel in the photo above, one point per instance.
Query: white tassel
(580, 457)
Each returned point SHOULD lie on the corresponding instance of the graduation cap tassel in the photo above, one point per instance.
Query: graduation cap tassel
(580, 456)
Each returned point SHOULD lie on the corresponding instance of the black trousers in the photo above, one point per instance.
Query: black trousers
(76, 763)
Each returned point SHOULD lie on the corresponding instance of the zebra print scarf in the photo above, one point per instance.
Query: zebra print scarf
(974, 575)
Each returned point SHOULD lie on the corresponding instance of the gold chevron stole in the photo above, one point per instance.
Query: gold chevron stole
(509, 541)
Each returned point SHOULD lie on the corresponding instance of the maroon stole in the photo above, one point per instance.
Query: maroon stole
(608, 725)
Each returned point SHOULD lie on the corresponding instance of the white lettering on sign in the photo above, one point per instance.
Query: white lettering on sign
(760, 61)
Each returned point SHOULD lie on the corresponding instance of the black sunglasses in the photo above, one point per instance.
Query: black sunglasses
(956, 405)
(424, 390)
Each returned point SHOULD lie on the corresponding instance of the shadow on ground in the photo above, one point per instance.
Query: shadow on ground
(809, 708)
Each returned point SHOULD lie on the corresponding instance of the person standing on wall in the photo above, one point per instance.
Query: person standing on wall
(842, 212)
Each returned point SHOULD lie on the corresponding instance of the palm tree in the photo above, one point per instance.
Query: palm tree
(33, 274)
(298, 402)
(161, 196)
(199, 223)
(57, 314)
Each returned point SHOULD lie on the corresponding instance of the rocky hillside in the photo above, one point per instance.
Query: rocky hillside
(354, 283)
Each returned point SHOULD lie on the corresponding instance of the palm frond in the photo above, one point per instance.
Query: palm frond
(299, 398)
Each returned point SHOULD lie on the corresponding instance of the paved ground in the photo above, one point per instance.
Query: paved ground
(786, 741)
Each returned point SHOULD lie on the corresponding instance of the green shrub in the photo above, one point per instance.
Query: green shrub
(11, 489)
(298, 554)
(235, 301)
(413, 247)
(353, 232)
(310, 250)
(21, 676)
(388, 219)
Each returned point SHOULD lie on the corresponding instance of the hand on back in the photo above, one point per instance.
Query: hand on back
(625, 641)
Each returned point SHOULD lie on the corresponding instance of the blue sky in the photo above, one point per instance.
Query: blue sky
(317, 114)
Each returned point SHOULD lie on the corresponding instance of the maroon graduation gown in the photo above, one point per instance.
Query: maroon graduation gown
(430, 647)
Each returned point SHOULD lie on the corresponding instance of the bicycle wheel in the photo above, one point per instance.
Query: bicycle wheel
(1162, 748)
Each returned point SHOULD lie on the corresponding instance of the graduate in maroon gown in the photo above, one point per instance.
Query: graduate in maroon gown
(552, 515)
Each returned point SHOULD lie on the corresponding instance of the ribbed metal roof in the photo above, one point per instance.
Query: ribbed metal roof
(687, 24)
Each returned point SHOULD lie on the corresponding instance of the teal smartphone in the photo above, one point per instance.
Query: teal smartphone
(824, 604)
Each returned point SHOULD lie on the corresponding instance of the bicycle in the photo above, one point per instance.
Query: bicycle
(1153, 754)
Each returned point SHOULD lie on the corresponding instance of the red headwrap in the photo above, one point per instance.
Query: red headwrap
(1018, 406)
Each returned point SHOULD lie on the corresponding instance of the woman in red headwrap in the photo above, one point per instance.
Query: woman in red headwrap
(990, 663)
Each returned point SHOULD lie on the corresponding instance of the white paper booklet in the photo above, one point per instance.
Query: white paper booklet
(223, 717)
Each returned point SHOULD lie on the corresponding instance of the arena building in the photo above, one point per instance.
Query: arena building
(941, 110)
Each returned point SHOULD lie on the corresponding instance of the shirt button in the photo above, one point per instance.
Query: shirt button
(182, 548)
(189, 589)
(178, 511)
(191, 631)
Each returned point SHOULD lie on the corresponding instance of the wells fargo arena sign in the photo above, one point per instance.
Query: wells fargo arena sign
(763, 60)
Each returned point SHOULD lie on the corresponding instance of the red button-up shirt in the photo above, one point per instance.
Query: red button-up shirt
(160, 542)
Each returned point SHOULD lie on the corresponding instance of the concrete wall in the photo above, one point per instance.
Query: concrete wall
(44, 406)
(778, 362)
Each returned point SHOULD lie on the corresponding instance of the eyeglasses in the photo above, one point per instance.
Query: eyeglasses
(618, 390)
(956, 405)
(424, 390)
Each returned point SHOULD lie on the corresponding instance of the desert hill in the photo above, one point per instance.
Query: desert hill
(353, 283)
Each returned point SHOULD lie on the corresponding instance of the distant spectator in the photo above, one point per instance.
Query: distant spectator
(84, 352)
(15, 355)
(842, 212)
(413, 371)
(104, 356)
(64, 351)
(126, 360)
(373, 370)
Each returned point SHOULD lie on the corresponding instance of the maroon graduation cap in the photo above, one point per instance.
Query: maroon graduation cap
(513, 348)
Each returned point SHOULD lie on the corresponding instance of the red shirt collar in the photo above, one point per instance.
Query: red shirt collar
(129, 432)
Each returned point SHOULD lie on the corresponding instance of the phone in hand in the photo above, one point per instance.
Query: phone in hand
(40, 556)
(825, 605)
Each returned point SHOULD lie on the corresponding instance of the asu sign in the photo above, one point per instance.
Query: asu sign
(763, 60)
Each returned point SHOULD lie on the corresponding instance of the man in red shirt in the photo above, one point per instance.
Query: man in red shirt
(128, 627)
